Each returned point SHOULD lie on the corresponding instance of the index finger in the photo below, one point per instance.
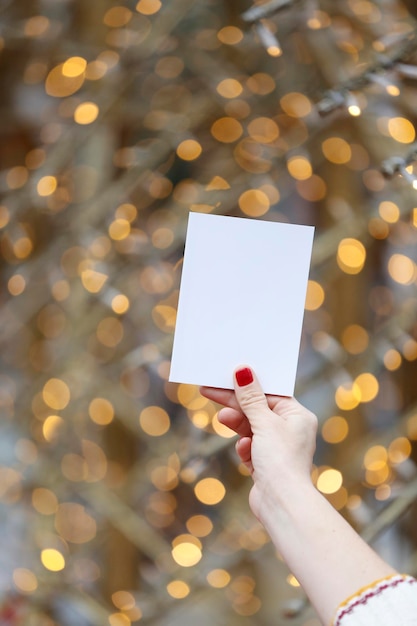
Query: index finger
(227, 397)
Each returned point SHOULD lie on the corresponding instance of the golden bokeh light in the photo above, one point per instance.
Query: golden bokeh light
(120, 303)
(189, 150)
(17, 177)
(378, 228)
(399, 450)
(199, 525)
(229, 88)
(354, 110)
(74, 524)
(119, 229)
(154, 421)
(389, 211)
(378, 477)
(56, 393)
(52, 559)
(163, 238)
(261, 83)
(263, 130)
(178, 589)
(47, 185)
(169, 67)
(227, 130)
(368, 386)
(375, 458)
(123, 600)
(209, 491)
(355, 339)
(164, 317)
(296, 104)
(315, 295)
(101, 411)
(117, 16)
(44, 501)
(65, 79)
(92, 280)
(230, 35)
(254, 202)
(74, 66)
(335, 429)
(201, 419)
(291, 580)
(189, 396)
(148, 7)
(351, 255)
(247, 605)
(16, 285)
(119, 619)
(37, 25)
(218, 578)
(299, 167)
(329, 481)
(409, 349)
(348, 396)
(319, 19)
(4, 216)
(186, 550)
(383, 492)
(96, 70)
(110, 332)
(86, 113)
(312, 189)
(392, 359)
(25, 580)
(402, 269)
(52, 427)
(401, 129)
(337, 150)
(126, 211)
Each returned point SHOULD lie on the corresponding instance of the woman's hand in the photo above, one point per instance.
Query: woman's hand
(277, 436)
(276, 442)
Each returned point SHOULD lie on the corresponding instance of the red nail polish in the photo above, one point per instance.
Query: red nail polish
(244, 377)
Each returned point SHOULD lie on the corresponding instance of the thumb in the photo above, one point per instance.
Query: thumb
(250, 396)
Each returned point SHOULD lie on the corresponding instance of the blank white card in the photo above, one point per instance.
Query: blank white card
(241, 302)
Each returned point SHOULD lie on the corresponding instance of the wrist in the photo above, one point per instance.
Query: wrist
(285, 503)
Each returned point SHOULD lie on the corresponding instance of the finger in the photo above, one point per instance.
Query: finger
(226, 397)
(250, 396)
(244, 450)
(235, 420)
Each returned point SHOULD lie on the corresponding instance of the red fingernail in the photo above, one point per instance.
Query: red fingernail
(244, 377)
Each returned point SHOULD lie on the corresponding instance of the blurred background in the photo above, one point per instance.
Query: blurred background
(121, 498)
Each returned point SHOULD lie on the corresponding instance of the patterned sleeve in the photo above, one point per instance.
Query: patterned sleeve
(391, 601)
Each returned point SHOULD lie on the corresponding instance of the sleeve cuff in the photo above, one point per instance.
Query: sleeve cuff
(375, 603)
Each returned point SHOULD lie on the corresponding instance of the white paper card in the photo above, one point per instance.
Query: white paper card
(242, 297)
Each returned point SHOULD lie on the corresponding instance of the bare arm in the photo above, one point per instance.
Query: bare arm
(277, 441)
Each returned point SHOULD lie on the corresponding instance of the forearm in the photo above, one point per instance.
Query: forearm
(277, 437)
(322, 550)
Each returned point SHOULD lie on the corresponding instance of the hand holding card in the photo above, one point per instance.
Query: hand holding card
(242, 299)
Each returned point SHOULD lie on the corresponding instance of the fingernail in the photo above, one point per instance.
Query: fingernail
(244, 377)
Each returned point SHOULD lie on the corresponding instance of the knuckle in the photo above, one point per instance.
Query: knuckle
(251, 398)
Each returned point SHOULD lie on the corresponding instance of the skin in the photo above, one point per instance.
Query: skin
(277, 440)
